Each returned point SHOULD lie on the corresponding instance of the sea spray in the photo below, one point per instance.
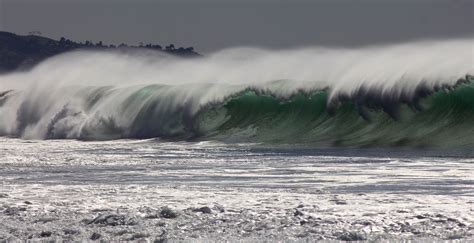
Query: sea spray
(414, 94)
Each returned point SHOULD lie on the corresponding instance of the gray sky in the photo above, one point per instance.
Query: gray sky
(211, 25)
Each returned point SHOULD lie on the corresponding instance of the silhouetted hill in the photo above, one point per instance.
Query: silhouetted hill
(21, 52)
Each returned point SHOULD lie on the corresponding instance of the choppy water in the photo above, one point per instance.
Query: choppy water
(378, 193)
(239, 165)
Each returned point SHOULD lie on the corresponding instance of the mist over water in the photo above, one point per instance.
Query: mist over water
(380, 95)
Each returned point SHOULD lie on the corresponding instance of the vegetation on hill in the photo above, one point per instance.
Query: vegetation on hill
(22, 52)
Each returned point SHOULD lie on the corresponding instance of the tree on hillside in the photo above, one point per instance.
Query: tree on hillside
(37, 33)
(170, 47)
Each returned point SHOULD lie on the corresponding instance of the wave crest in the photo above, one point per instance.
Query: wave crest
(415, 94)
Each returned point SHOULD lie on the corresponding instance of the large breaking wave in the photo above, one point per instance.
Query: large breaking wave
(415, 94)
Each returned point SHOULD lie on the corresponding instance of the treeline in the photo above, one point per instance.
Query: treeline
(180, 51)
(23, 52)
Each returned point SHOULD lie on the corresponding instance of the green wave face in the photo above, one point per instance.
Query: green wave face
(443, 119)
(425, 118)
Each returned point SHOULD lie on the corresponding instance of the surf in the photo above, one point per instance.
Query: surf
(412, 94)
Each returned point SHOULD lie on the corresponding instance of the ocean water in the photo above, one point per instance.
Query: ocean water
(216, 164)
(367, 191)
(306, 144)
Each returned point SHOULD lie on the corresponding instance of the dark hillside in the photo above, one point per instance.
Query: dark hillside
(23, 52)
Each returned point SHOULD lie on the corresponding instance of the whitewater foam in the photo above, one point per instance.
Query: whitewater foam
(106, 95)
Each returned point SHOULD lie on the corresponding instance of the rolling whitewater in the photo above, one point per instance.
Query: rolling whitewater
(367, 97)
(316, 143)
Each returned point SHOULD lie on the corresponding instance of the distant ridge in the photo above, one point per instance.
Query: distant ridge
(23, 52)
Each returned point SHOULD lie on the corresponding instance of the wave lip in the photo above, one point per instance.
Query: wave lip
(442, 118)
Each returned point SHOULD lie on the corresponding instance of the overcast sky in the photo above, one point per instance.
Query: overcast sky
(211, 25)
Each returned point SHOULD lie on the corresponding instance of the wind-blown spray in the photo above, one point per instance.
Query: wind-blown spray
(414, 94)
